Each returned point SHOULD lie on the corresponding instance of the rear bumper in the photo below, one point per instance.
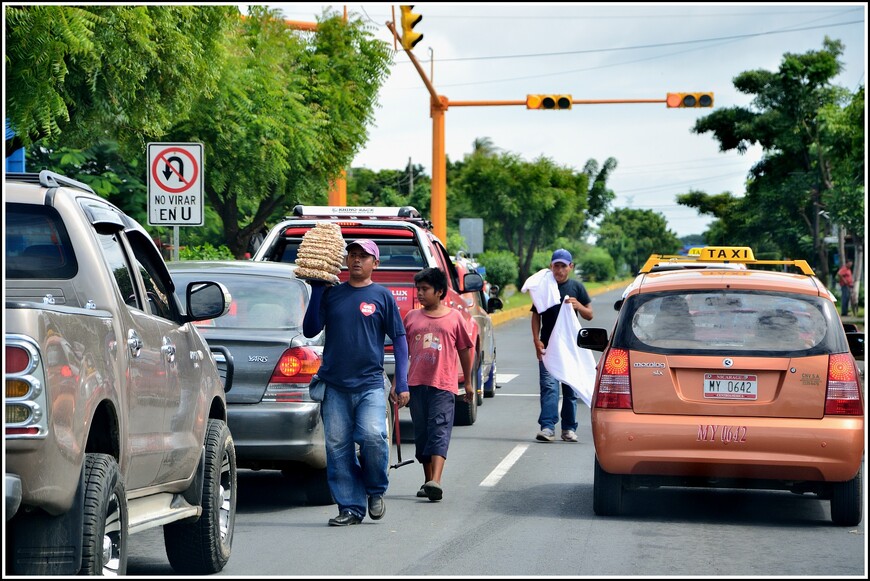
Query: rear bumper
(826, 450)
(267, 433)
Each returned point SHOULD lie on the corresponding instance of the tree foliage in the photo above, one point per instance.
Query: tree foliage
(630, 235)
(525, 205)
(108, 72)
(292, 109)
(808, 176)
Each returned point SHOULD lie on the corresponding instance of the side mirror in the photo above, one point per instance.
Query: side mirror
(494, 304)
(472, 281)
(618, 304)
(207, 300)
(592, 338)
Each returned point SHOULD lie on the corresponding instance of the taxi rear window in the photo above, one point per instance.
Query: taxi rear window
(730, 322)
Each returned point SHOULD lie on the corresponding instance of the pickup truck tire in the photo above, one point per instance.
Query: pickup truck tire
(105, 519)
(202, 546)
(465, 412)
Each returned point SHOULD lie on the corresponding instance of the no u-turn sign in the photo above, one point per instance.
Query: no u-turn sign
(175, 184)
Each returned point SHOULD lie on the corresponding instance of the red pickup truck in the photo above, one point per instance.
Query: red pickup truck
(407, 245)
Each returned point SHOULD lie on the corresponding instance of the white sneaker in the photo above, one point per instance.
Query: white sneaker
(569, 436)
(546, 435)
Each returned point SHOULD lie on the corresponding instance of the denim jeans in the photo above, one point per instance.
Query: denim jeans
(550, 402)
(846, 298)
(349, 419)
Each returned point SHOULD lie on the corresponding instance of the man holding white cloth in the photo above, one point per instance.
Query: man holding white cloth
(561, 265)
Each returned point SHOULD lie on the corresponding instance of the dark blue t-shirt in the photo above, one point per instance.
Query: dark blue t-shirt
(357, 319)
(570, 287)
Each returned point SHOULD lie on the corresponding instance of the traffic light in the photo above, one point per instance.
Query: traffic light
(548, 101)
(409, 21)
(690, 100)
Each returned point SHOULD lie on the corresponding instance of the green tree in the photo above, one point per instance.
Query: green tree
(526, 204)
(291, 111)
(843, 133)
(88, 72)
(630, 235)
(787, 190)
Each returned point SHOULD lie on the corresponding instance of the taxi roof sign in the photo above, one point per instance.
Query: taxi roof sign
(723, 254)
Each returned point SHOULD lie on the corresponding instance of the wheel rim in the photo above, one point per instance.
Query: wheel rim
(226, 492)
(111, 550)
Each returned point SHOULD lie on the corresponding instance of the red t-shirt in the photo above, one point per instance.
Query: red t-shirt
(433, 348)
(845, 276)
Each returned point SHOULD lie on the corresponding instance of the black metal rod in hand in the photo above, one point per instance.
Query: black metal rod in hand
(397, 435)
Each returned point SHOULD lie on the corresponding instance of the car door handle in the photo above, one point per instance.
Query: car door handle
(134, 343)
(168, 350)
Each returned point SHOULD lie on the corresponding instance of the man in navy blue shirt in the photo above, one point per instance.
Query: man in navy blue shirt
(358, 315)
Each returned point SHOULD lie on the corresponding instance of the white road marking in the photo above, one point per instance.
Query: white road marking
(504, 465)
(505, 377)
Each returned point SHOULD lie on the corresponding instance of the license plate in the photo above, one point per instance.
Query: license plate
(730, 386)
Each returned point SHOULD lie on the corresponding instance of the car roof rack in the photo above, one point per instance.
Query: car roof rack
(48, 179)
(723, 254)
(405, 213)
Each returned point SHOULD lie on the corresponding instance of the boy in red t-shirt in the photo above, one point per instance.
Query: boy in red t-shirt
(437, 338)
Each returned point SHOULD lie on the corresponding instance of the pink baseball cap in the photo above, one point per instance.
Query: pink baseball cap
(367, 245)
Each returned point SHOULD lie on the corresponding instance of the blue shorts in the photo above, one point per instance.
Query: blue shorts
(432, 412)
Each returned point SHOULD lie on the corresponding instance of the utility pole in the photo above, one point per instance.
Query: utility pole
(410, 178)
(438, 105)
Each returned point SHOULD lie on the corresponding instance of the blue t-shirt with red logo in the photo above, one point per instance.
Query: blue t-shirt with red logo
(357, 321)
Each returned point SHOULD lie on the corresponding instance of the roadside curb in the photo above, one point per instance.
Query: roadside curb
(515, 313)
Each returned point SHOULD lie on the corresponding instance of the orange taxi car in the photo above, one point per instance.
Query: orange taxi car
(729, 379)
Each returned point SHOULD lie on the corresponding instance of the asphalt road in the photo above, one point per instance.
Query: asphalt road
(514, 507)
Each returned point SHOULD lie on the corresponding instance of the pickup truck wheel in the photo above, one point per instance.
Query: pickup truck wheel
(847, 502)
(202, 546)
(105, 519)
(466, 413)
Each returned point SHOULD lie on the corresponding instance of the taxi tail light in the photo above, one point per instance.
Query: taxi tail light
(614, 387)
(844, 394)
(292, 374)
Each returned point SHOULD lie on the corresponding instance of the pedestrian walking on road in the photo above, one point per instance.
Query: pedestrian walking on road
(358, 315)
(437, 338)
(844, 278)
(561, 265)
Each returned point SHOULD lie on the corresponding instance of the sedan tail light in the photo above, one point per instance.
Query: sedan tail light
(614, 387)
(844, 395)
(292, 374)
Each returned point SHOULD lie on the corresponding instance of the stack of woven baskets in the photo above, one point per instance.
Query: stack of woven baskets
(321, 253)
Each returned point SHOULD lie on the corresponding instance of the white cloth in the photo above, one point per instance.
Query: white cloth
(543, 288)
(566, 361)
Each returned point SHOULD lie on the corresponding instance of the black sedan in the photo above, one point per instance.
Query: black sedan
(274, 422)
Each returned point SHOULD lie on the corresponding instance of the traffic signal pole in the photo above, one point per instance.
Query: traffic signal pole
(438, 105)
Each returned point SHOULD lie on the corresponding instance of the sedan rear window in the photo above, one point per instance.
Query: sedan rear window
(734, 322)
(258, 302)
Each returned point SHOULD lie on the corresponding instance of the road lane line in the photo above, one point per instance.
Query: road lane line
(505, 377)
(504, 465)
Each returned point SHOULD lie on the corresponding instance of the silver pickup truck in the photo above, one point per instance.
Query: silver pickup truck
(115, 409)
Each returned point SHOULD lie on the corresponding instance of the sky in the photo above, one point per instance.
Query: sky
(490, 51)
